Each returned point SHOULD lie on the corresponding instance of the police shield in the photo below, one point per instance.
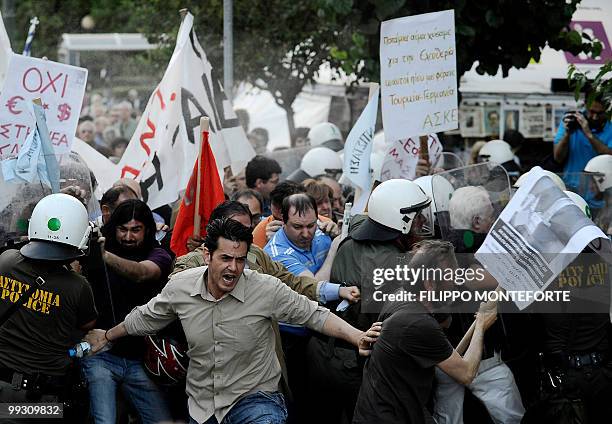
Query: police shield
(447, 161)
(17, 199)
(468, 200)
(582, 184)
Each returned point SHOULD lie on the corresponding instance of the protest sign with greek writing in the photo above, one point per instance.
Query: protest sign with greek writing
(418, 75)
(60, 88)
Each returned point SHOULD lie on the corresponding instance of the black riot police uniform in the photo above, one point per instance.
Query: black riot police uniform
(36, 337)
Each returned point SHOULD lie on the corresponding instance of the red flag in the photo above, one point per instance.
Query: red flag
(211, 195)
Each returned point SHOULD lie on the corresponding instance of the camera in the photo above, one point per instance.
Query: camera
(571, 120)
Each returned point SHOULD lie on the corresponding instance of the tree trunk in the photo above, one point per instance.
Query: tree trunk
(291, 125)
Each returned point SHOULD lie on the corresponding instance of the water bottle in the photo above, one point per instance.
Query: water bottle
(83, 349)
(80, 350)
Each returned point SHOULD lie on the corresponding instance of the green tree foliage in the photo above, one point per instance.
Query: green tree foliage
(506, 33)
(64, 16)
(280, 44)
(600, 85)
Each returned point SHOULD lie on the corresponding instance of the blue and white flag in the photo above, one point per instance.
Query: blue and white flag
(48, 168)
(358, 146)
(25, 166)
(28, 44)
(36, 157)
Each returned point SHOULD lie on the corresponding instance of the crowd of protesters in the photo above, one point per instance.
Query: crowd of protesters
(269, 318)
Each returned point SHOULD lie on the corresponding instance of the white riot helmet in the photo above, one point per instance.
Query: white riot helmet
(579, 201)
(556, 179)
(600, 167)
(326, 134)
(392, 209)
(496, 151)
(439, 190)
(317, 161)
(58, 230)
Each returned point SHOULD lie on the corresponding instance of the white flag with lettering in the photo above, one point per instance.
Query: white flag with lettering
(164, 147)
(358, 146)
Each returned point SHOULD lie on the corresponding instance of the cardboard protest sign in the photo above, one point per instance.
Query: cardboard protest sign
(403, 155)
(418, 75)
(60, 88)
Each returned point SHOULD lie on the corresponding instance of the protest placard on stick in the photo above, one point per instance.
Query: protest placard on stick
(418, 75)
(61, 89)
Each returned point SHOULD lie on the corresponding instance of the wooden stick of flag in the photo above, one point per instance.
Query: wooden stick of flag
(424, 148)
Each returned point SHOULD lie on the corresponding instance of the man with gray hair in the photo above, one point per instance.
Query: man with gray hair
(470, 208)
(126, 125)
(471, 216)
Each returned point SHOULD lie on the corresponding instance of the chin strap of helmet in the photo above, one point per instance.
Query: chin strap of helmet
(22, 299)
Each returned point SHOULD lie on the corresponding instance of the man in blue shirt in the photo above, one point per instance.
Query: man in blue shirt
(581, 137)
(305, 251)
(300, 245)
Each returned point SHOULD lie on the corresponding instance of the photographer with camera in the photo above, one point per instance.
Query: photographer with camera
(45, 307)
(580, 137)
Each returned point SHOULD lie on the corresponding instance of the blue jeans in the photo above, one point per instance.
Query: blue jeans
(256, 408)
(105, 371)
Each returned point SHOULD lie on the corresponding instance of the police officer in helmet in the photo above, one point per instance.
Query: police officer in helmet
(45, 307)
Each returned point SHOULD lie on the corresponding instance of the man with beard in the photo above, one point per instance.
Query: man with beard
(137, 270)
(582, 136)
(392, 226)
(398, 377)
